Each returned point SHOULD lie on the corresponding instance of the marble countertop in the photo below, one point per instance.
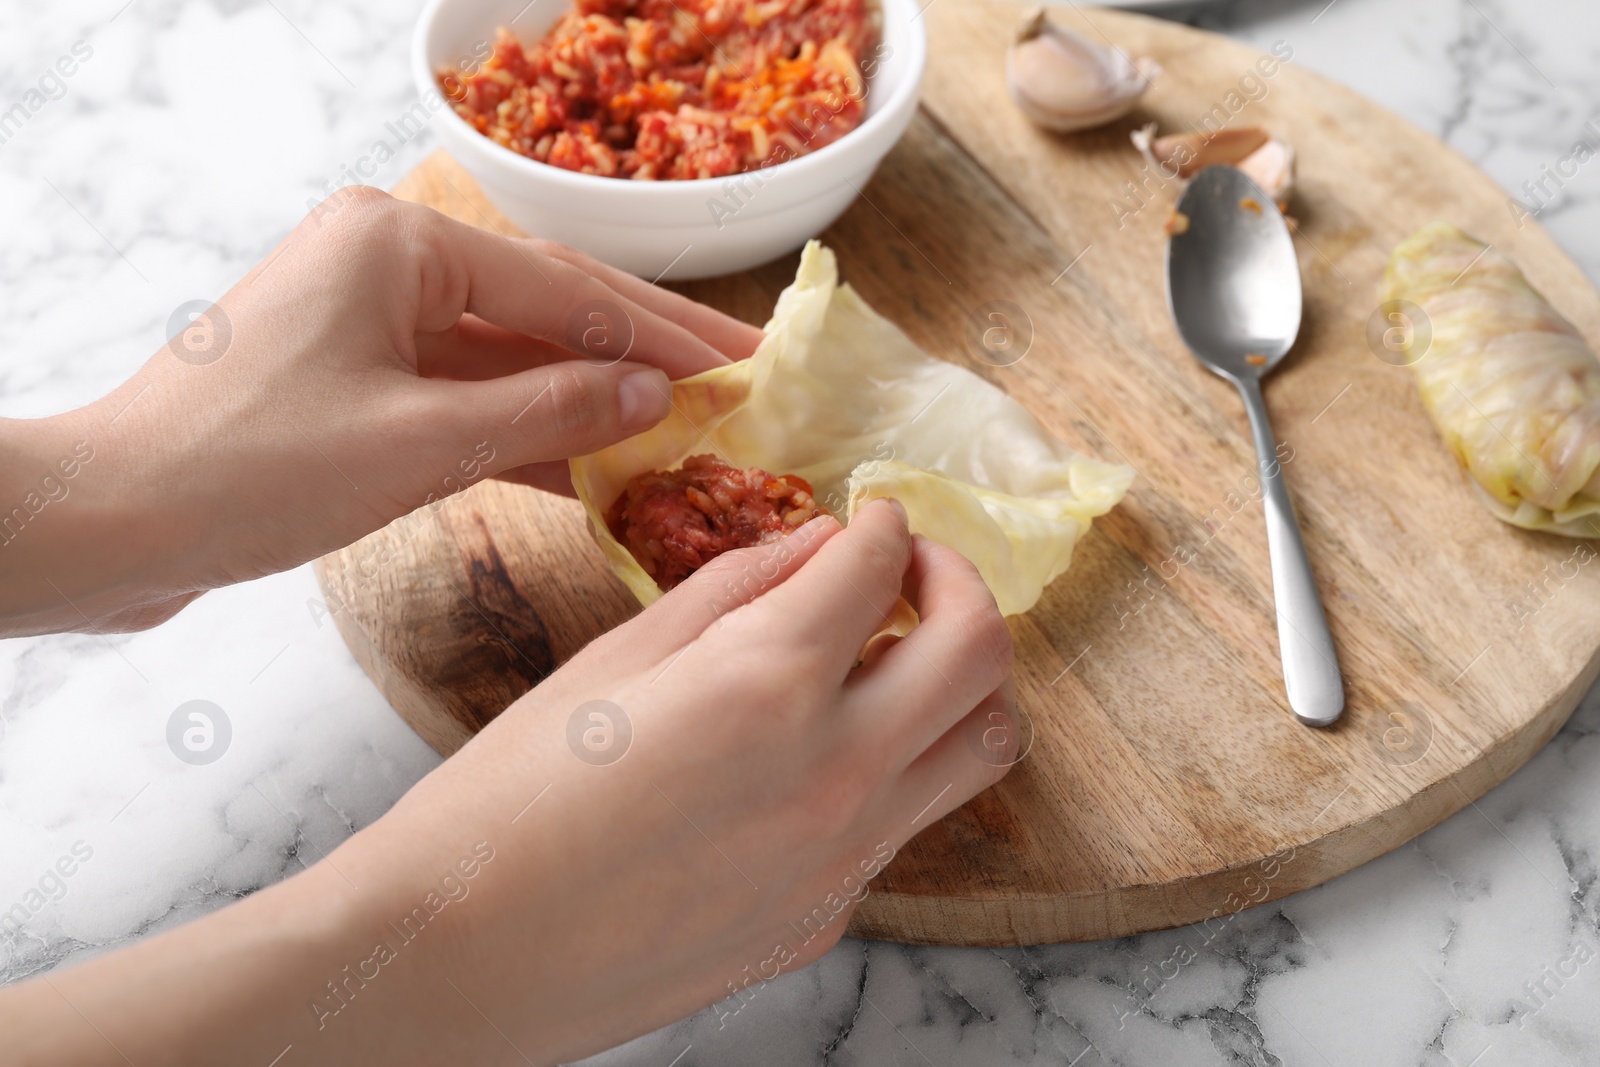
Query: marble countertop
(191, 136)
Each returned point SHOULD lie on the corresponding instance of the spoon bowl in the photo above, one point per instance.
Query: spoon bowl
(1233, 281)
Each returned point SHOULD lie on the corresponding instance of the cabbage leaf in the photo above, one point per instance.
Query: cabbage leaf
(839, 395)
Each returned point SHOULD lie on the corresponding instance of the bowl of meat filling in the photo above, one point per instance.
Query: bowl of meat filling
(671, 138)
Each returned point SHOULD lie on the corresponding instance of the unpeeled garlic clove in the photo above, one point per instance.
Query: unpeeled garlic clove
(1064, 82)
(1266, 160)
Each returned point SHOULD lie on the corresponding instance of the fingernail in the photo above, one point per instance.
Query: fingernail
(643, 399)
(814, 527)
(901, 508)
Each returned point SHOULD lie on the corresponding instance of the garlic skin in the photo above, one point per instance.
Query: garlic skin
(1272, 167)
(1065, 82)
(1264, 159)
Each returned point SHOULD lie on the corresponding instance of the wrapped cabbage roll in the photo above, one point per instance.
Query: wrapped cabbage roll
(1511, 385)
(836, 398)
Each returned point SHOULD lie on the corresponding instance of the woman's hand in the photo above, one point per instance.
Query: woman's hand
(383, 357)
(543, 894)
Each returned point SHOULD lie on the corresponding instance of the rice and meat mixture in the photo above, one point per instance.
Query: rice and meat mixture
(674, 88)
(674, 522)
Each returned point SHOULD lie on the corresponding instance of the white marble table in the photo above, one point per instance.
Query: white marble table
(188, 142)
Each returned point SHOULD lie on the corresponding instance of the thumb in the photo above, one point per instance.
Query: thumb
(560, 410)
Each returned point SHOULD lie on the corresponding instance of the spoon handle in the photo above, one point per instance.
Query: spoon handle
(1310, 665)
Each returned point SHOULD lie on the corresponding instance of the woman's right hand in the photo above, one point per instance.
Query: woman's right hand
(766, 777)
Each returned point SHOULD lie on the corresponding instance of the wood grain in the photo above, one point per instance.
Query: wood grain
(1168, 782)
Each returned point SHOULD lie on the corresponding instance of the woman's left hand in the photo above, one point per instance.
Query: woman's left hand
(383, 357)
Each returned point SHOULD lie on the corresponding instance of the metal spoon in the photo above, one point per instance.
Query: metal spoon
(1234, 288)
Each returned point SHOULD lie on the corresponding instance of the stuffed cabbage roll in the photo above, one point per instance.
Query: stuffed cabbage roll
(1511, 385)
(837, 401)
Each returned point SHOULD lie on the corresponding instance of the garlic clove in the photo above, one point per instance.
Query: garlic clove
(1186, 154)
(1266, 160)
(1272, 167)
(1064, 82)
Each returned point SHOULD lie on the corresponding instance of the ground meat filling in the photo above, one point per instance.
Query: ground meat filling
(673, 89)
(675, 522)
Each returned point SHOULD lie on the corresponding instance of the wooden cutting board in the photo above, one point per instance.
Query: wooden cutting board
(1167, 782)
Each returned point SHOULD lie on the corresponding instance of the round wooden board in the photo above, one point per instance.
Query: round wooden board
(1167, 782)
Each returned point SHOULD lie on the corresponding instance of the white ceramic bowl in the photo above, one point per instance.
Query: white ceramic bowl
(675, 229)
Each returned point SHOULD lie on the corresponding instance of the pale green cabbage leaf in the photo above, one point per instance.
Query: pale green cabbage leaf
(839, 395)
